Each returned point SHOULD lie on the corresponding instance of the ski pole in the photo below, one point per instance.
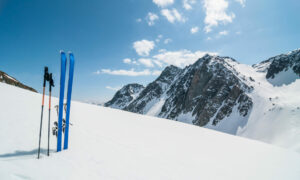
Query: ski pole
(51, 84)
(44, 85)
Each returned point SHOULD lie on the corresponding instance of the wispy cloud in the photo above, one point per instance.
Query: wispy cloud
(194, 29)
(172, 15)
(163, 3)
(156, 73)
(127, 61)
(242, 2)
(223, 33)
(122, 72)
(216, 13)
(167, 41)
(146, 62)
(143, 47)
(187, 4)
(159, 37)
(180, 58)
(112, 88)
(151, 18)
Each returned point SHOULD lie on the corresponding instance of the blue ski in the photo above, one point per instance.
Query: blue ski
(61, 98)
(70, 82)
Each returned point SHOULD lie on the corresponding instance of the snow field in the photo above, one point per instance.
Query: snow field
(111, 144)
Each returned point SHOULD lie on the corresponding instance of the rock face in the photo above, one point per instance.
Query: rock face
(206, 91)
(212, 91)
(5, 78)
(281, 69)
(125, 96)
(153, 91)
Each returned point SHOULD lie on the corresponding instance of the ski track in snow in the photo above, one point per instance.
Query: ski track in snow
(112, 144)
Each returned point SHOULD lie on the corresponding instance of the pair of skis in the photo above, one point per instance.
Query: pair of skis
(47, 77)
(61, 99)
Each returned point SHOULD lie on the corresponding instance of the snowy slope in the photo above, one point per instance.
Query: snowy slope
(111, 144)
(276, 110)
(260, 102)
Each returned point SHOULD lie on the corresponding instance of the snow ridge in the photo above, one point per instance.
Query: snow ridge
(221, 94)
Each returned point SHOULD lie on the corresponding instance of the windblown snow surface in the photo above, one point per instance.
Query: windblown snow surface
(111, 144)
(275, 117)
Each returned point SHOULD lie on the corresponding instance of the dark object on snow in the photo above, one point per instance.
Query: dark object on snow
(5, 78)
(46, 78)
(51, 84)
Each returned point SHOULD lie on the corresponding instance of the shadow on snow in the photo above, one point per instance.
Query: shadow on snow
(25, 153)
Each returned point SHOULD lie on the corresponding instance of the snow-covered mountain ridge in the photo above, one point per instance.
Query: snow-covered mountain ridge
(109, 144)
(5, 78)
(258, 101)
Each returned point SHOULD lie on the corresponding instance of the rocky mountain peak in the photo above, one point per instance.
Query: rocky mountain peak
(125, 96)
(5, 78)
(212, 90)
(281, 69)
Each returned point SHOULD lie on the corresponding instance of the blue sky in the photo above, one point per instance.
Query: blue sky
(117, 42)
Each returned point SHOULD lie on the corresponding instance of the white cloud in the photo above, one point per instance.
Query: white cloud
(215, 11)
(156, 72)
(167, 41)
(159, 37)
(187, 4)
(172, 15)
(162, 50)
(223, 33)
(242, 2)
(127, 61)
(143, 47)
(139, 20)
(158, 63)
(146, 62)
(208, 38)
(123, 72)
(180, 58)
(163, 3)
(113, 88)
(151, 18)
(238, 32)
(194, 29)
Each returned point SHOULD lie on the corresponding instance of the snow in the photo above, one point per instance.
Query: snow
(284, 78)
(229, 124)
(107, 143)
(274, 117)
(186, 117)
(156, 108)
(11, 78)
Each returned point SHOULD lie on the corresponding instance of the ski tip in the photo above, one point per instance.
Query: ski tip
(61, 51)
(70, 52)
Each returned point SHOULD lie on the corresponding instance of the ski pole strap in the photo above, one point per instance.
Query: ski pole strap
(51, 84)
(46, 76)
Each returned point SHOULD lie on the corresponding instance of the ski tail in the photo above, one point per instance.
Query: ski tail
(70, 83)
(61, 99)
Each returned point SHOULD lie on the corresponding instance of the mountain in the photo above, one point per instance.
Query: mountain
(5, 78)
(222, 94)
(281, 69)
(125, 96)
(110, 144)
